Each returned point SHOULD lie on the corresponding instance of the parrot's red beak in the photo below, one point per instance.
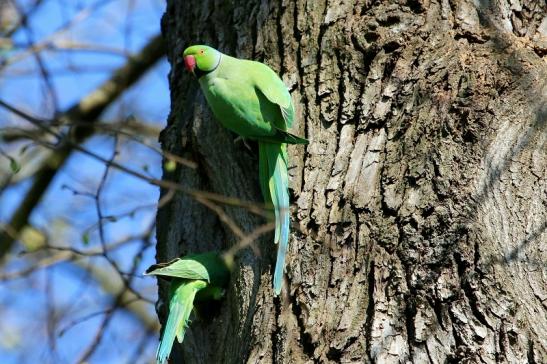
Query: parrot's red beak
(190, 63)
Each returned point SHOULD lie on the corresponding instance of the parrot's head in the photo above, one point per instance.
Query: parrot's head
(201, 59)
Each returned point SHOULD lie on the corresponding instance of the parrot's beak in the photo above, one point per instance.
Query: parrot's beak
(190, 63)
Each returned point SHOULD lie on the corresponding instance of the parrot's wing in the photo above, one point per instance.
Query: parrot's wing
(271, 86)
(209, 267)
(181, 268)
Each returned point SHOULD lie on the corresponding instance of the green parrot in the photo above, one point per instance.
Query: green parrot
(197, 277)
(250, 99)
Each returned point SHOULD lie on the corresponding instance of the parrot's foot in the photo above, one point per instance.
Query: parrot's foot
(243, 140)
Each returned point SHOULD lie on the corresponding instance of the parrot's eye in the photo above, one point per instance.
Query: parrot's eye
(201, 52)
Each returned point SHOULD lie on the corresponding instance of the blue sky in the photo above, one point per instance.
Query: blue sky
(115, 28)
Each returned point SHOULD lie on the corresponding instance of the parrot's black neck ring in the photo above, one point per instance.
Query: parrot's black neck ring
(199, 73)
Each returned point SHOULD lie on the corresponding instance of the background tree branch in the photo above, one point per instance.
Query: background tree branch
(83, 114)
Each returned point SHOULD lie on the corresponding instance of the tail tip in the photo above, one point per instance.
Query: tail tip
(162, 354)
(278, 284)
(161, 358)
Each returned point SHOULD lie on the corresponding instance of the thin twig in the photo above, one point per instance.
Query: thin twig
(88, 109)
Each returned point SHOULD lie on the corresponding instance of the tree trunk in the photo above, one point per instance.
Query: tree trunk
(419, 207)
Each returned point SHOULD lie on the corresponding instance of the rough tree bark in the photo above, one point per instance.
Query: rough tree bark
(420, 203)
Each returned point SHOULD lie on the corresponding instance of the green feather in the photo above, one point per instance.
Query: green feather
(209, 267)
(250, 99)
(181, 303)
(197, 277)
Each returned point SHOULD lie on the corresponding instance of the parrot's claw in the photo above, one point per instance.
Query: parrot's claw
(243, 140)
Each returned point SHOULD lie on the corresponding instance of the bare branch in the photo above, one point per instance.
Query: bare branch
(246, 241)
(87, 110)
(45, 43)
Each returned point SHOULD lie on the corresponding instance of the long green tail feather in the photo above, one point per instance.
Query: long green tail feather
(274, 182)
(181, 301)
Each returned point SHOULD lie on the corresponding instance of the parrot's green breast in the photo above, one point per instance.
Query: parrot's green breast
(232, 93)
